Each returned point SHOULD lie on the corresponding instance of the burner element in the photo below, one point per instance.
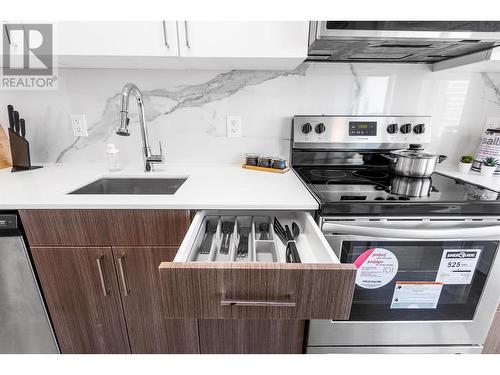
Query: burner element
(329, 174)
(370, 173)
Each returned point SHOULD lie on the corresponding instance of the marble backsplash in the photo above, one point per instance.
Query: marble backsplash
(187, 109)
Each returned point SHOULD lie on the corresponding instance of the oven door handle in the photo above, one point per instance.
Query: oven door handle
(421, 233)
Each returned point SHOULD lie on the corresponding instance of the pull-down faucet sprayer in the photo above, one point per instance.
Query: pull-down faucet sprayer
(149, 157)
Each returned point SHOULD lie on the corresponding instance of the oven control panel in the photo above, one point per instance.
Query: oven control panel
(356, 131)
(362, 128)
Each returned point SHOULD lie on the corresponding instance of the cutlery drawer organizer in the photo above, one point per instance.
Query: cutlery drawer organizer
(262, 246)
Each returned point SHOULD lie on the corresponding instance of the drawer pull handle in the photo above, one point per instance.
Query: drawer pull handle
(122, 275)
(165, 36)
(188, 45)
(105, 290)
(242, 302)
(7, 33)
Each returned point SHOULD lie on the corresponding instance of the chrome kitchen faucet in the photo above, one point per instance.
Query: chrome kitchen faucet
(149, 157)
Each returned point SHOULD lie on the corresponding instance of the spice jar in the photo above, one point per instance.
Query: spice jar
(251, 159)
(279, 163)
(264, 161)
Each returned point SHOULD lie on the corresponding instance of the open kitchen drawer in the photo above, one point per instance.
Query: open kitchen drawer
(261, 285)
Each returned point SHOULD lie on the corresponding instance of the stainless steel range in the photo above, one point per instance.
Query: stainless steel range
(426, 249)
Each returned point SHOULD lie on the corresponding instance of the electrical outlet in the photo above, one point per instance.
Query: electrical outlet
(233, 126)
(79, 125)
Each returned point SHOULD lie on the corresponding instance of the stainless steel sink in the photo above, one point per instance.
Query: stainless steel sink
(145, 186)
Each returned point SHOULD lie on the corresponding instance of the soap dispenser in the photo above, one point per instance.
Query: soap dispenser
(113, 157)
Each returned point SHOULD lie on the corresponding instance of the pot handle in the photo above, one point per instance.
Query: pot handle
(442, 158)
(392, 159)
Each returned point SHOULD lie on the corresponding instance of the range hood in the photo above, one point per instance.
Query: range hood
(400, 41)
(483, 61)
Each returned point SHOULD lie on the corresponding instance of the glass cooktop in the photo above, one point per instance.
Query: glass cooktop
(334, 185)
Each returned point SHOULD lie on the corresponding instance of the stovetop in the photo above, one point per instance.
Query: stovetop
(342, 160)
(338, 188)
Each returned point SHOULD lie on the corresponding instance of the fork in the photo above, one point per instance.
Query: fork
(243, 243)
(227, 229)
(210, 230)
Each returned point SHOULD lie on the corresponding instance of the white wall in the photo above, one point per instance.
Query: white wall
(188, 109)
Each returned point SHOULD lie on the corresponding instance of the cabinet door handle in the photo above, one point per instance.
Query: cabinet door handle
(187, 34)
(7, 33)
(122, 275)
(105, 290)
(165, 36)
(264, 303)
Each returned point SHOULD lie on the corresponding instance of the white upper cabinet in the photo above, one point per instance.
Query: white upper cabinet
(113, 38)
(245, 44)
(181, 45)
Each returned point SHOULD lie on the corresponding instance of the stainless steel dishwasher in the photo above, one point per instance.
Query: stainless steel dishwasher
(24, 323)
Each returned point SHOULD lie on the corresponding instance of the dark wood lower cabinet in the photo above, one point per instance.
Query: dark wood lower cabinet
(148, 330)
(252, 336)
(81, 290)
(107, 300)
(99, 274)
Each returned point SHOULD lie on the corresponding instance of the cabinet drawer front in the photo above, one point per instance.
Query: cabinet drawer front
(94, 227)
(257, 290)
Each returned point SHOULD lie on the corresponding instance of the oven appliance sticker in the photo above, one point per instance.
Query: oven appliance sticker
(416, 295)
(457, 266)
(376, 267)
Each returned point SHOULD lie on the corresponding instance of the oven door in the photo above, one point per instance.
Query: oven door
(419, 282)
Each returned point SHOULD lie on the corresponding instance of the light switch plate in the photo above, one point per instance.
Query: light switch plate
(233, 126)
(79, 125)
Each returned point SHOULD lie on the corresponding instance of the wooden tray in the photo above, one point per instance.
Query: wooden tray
(264, 169)
(5, 158)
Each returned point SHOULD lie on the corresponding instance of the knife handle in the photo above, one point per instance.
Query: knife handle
(23, 127)
(16, 122)
(288, 255)
(10, 110)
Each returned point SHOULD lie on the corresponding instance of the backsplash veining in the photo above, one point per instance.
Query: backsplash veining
(187, 109)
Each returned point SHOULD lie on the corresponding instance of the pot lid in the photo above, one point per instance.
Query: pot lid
(415, 152)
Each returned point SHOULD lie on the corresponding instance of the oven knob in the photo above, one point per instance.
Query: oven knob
(419, 129)
(306, 128)
(320, 128)
(405, 128)
(392, 128)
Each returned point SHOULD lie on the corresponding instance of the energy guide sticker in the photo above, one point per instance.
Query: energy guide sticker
(457, 266)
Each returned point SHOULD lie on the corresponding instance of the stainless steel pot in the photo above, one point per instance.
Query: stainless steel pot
(413, 162)
(411, 186)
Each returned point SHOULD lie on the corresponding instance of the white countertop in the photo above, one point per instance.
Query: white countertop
(492, 183)
(207, 187)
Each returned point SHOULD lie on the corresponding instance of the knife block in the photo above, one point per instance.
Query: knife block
(20, 151)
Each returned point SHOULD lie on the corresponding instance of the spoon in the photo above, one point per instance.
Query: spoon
(264, 230)
(295, 230)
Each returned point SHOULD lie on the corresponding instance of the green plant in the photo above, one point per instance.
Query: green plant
(467, 159)
(490, 162)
